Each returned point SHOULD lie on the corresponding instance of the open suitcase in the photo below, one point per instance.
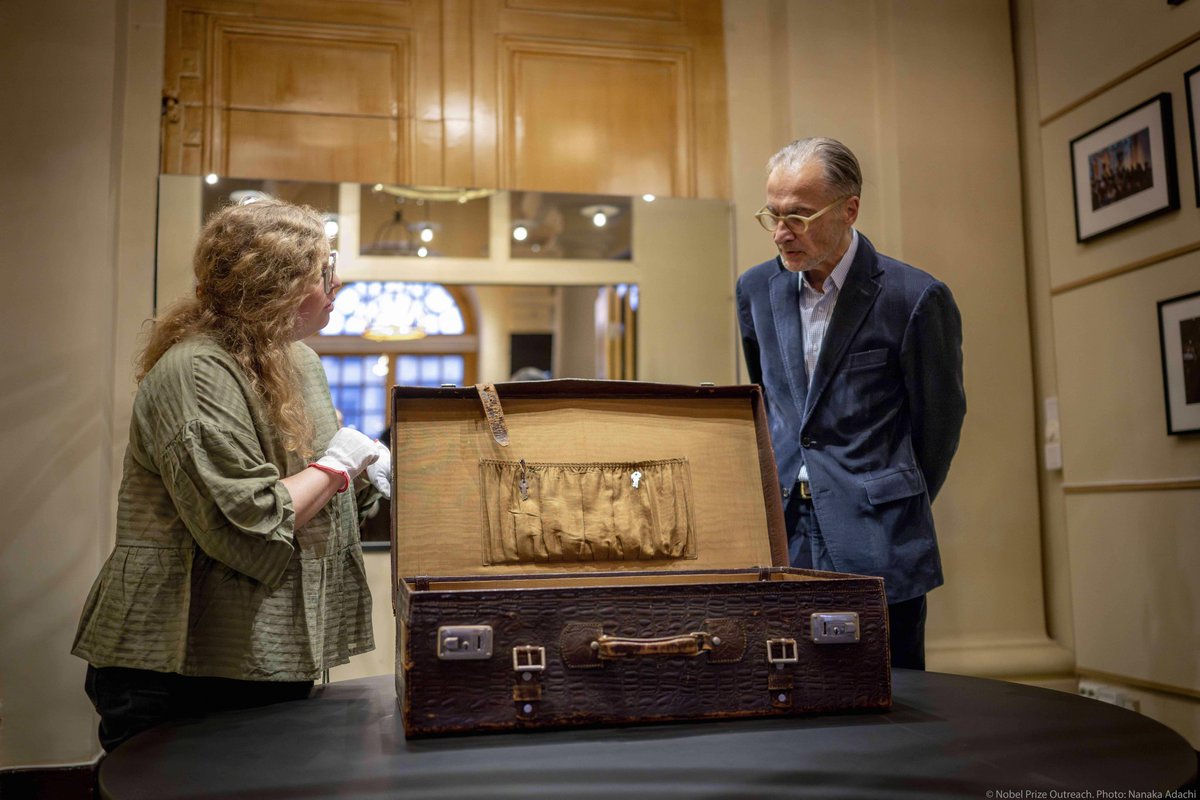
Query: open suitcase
(580, 552)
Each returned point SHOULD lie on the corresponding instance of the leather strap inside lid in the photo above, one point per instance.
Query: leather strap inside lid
(494, 412)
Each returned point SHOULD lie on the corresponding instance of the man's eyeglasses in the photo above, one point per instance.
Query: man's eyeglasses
(328, 271)
(794, 222)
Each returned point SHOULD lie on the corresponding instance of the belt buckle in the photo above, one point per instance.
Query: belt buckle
(805, 490)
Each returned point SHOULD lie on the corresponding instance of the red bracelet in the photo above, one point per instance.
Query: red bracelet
(345, 476)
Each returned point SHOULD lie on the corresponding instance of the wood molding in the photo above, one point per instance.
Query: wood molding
(1105, 487)
(668, 69)
(1137, 683)
(669, 10)
(1004, 658)
(1092, 95)
(1149, 261)
(395, 112)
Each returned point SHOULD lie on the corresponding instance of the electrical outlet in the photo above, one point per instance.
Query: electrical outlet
(1106, 693)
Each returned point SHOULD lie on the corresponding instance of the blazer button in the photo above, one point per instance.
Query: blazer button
(807, 442)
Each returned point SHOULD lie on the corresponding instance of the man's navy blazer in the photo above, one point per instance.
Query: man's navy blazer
(878, 422)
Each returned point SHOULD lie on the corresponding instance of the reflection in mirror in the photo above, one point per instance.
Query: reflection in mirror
(483, 305)
(575, 309)
(423, 222)
(571, 226)
(391, 326)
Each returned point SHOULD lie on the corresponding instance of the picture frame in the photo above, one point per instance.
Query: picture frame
(1179, 342)
(1191, 83)
(1123, 171)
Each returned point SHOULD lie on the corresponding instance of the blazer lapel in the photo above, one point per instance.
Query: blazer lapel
(785, 309)
(854, 301)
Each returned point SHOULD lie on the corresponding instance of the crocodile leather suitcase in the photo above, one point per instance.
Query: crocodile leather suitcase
(601, 552)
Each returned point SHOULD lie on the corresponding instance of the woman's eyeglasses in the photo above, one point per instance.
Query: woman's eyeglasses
(328, 271)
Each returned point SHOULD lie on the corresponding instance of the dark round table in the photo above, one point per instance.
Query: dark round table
(946, 736)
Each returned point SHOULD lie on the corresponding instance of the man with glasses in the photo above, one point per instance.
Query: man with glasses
(860, 360)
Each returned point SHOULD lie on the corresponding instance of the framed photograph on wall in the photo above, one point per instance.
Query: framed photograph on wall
(1191, 82)
(1179, 337)
(1123, 171)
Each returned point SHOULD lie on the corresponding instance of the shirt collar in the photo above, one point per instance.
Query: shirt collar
(838, 276)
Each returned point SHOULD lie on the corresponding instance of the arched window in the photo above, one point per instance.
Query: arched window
(393, 310)
(387, 333)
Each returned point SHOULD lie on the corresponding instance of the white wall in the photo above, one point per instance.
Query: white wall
(924, 93)
(70, 262)
(1124, 511)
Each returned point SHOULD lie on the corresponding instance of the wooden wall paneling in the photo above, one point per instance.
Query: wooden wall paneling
(365, 13)
(485, 119)
(309, 147)
(303, 89)
(457, 94)
(183, 91)
(584, 95)
(595, 118)
(671, 10)
(304, 73)
(571, 95)
(428, 135)
(309, 101)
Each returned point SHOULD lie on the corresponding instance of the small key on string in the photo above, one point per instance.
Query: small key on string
(636, 477)
(523, 484)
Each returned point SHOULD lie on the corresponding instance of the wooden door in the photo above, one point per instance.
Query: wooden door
(608, 96)
(605, 96)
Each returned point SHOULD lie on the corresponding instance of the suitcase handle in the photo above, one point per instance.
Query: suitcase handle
(688, 644)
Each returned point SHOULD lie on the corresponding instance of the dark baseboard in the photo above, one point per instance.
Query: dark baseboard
(56, 783)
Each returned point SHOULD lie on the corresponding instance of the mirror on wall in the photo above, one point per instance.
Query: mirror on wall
(414, 307)
(464, 285)
(461, 286)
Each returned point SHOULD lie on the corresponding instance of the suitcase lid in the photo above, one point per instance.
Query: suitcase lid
(706, 495)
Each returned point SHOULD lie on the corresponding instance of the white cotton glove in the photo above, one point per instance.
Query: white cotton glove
(380, 473)
(349, 453)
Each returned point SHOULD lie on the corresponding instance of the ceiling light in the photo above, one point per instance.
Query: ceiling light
(600, 213)
(435, 193)
(244, 196)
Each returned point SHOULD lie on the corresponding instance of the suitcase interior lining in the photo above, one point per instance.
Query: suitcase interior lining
(440, 442)
(569, 512)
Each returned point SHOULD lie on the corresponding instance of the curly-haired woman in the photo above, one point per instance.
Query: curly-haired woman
(237, 575)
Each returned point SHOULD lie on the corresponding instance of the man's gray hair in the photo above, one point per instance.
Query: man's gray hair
(841, 167)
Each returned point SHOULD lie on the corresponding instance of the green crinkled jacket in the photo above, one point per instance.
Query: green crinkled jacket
(209, 575)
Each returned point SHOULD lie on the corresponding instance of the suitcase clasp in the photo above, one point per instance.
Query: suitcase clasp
(835, 628)
(464, 642)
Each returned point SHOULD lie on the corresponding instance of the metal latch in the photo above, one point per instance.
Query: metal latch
(835, 627)
(782, 651)
(464, 642)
